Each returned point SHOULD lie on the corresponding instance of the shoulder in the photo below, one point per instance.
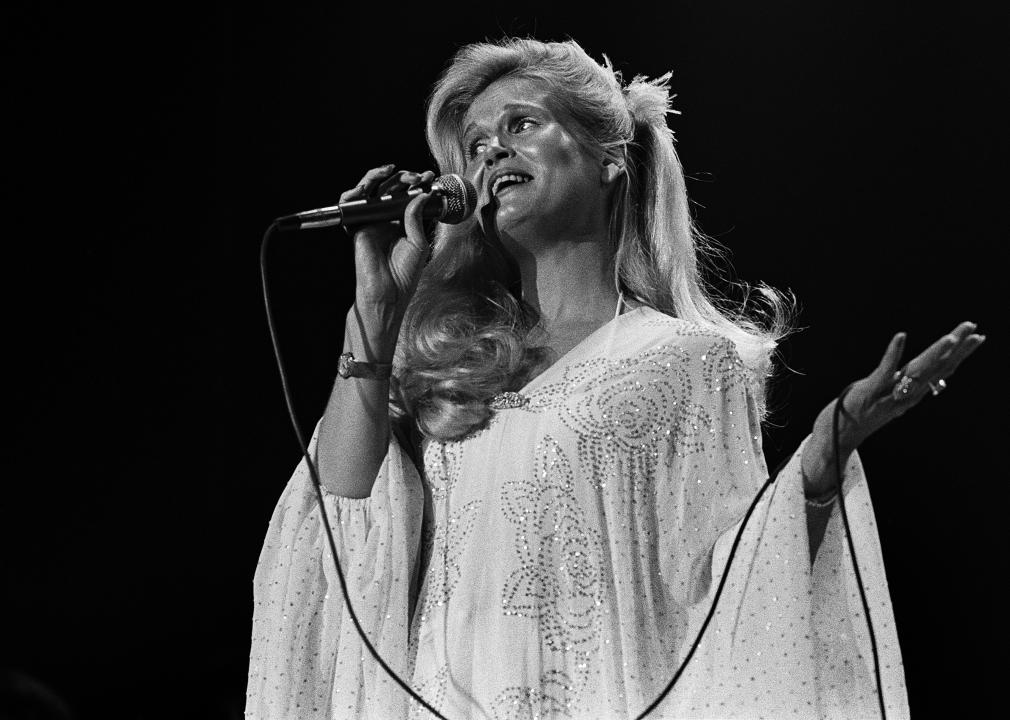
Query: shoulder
(704, 353)
(689, 341)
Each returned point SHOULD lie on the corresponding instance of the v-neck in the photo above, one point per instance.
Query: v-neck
(566, 359)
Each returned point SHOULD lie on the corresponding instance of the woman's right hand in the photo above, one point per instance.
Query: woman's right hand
(388, 257)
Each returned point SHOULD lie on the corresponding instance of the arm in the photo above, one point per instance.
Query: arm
(388, 258)
(305, 651)
(870, 404)
(819, 483)
(354, 431)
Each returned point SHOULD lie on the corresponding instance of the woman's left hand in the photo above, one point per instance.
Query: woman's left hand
(882, 396)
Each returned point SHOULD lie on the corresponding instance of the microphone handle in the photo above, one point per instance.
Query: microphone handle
(363, 212)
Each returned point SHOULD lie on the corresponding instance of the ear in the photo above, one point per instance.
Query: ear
(611, 171)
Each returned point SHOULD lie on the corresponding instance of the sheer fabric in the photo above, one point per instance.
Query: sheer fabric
(559, 562)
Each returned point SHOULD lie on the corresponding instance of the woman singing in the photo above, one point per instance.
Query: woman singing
(543, 440)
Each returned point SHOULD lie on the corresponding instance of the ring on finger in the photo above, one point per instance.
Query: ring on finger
(937, 387)
(905, 387)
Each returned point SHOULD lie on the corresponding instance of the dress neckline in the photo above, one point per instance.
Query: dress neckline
(566, 358)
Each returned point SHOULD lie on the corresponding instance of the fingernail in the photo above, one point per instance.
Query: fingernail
(981, 338)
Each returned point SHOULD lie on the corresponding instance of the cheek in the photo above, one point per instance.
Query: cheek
(471, 168)
(472, 173)
(556, 148)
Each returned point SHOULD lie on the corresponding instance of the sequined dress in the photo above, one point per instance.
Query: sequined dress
(559, 562)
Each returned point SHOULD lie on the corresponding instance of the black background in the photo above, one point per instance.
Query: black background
(852, 151)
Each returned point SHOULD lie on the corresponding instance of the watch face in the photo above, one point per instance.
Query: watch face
(348, 367)
(344, 365)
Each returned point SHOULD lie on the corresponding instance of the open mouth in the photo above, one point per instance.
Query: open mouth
(503, 181)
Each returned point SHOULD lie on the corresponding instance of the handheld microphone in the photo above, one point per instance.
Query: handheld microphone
(454, 200)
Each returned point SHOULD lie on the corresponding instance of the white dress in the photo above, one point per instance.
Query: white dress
(573, 550)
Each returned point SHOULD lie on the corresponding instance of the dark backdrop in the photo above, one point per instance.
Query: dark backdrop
(852, 151)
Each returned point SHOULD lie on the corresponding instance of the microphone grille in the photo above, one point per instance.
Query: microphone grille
(460, 198)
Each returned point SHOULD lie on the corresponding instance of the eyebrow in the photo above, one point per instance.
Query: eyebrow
(505, 109)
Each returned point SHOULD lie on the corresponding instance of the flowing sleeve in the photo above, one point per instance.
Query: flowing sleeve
(306, 655)
(789, 637)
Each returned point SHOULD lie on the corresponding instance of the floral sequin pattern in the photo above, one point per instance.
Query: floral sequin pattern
(557, 582)
(723, 369)
(576, 542)
(635, 405)
(433, 692)
(639, 408)
(550, 700)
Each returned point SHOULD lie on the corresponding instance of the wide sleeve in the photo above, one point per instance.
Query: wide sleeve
(787, 639)
(306, 655)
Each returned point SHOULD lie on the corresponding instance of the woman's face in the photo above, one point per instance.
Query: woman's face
(521, 157)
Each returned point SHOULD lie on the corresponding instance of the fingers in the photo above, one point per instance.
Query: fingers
(403, 181)
(892, 390)
(413, 223)
(427, 177)
(369, 183)
(384, 180)
(891, 361)
(968, 343)
(397, 181)
(942, 357)
(938, 361)
(409, 254)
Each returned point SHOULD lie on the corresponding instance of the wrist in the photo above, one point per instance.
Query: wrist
(370, 335)
(818, 465)
(348, 366)
(818, 468)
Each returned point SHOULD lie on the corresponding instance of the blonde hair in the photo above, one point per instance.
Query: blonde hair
(464, 337)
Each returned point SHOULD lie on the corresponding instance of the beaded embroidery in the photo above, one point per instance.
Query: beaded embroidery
(573, 550)
(508, 400)
(558, 581)
(629, 419)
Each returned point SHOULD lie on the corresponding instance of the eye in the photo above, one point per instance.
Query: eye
(520, 124)
(473, 148)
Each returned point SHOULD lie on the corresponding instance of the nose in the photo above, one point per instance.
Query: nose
(495, 151)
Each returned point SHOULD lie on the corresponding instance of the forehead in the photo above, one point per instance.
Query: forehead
(487, 106)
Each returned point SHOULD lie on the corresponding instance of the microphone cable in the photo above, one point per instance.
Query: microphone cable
(318, 485)
(838, 410)
(715, 600)
(852, 550)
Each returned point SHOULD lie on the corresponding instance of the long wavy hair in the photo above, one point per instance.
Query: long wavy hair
(465, 333)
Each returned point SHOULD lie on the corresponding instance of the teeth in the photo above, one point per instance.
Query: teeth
(512, 178)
